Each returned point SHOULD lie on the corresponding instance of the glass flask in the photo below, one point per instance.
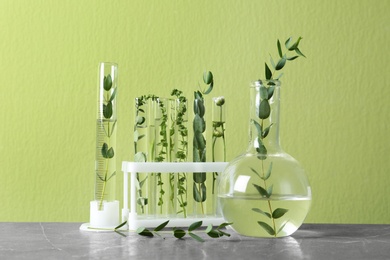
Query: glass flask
(264, 192)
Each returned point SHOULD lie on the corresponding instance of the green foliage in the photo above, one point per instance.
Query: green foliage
(199, 141)
(193, 229)
(264, 111)
(107, 152)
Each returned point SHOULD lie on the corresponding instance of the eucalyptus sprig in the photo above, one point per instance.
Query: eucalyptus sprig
(107, 152)
(213, 232)
(199, 141)
(264, 111)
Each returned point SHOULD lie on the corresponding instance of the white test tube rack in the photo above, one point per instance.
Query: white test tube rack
(130, 214)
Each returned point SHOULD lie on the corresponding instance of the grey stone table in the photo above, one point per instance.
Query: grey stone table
(311, 241)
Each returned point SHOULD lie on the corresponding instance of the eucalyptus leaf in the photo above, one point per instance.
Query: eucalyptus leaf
(272, 61)
(268, 172)
(214, 233)
(107, 110)
(207, 77)
(113, 95)
(279, 49)
(261, 190)
(196, 193)
(110, 153)
(112, 175)
(161, 226)
(120, 225)
(204, 193)
(104, 150)
(144, 232)
(279, 212)
(264, 109)
(288, 42)
(299, 52)
(179, 233)
(196, 237)
(280, 64)
(258, 127)
(195, 225)
(270, 91)
(211, 86)
(199, 177)
(262, 212)
(292, 58)
(266, 131)
(267, 228)
(253, 170)
(268, 73)
(295, 45)
(269, 191)
(225, 224)
(263, 92)
(107, 82)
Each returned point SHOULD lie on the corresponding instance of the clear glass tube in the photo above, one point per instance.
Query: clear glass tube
(106, 134)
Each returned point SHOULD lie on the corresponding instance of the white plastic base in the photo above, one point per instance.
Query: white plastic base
(102, 220)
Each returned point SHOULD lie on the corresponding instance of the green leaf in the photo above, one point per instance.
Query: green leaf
(262, 212)
(279, 212)
(270, 90)
(263, 92)
(253, 170)
(225, 224)
(104, 150)
(264, 109)
(110, 153)
(268, 174)
(261, 190)
(161, 226)
(266, 131)
(299, 52)
(199, 177)
(120, 225)
(267, 228)
(262, 152)
(207, 77)
(107, 82)
(113, 95)
(195, 225)
(204, 193)
(268, 73)
(144, 232)
(279, 49)
(107, 110)
(258, 127)
(209, 228)
(288, 42)
(295, 45)
(269, 191)
(196, 237)
(214, 233)
(179, 233)
(280, 64)
(112, 175)
(292, 58)
(196, 193)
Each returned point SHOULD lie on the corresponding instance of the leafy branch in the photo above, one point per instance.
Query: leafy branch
(107, 152)
(199, 141)
(213, 232)
(264, 112)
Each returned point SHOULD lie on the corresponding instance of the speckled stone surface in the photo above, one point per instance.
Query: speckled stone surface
(311, 241)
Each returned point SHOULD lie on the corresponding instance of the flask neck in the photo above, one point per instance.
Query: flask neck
(264, 117)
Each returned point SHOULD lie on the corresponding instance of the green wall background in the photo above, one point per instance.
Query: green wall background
(335, 108)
